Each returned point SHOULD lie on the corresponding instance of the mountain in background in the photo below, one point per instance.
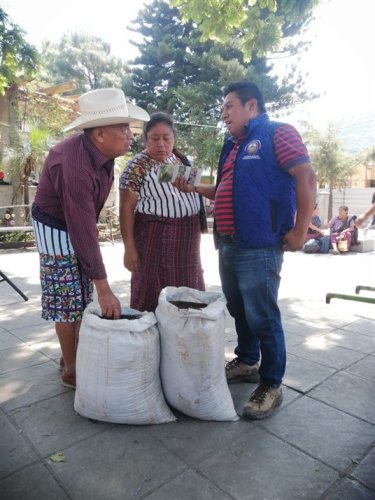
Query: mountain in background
(360, 135)
(356, 130)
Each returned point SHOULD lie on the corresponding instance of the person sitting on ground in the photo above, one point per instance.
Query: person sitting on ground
(342, 229)
(314, 231)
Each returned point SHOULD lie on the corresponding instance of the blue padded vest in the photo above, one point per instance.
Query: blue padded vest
(264, 200)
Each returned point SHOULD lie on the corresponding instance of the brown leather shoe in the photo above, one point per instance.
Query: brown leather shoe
(237, 371)
(68, 380)
(262, 402)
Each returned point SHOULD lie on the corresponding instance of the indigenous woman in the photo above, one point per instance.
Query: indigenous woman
(160, 225)
(342, 229)
(314, 230)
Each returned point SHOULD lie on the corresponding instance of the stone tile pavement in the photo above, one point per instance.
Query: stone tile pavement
(318, 445)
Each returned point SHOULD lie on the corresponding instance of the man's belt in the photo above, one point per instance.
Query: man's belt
(226, 238)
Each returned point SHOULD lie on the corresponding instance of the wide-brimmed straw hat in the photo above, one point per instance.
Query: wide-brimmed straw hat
(106, 107)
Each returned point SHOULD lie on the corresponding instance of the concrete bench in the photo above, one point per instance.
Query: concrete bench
(17, 215)
(15, 229)
(363, 246)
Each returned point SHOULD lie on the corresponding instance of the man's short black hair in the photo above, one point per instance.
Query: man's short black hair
(245, 91)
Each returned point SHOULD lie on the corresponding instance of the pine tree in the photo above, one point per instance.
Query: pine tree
(178, 73)
(84, 58)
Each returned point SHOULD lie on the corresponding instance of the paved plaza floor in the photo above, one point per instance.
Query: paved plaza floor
(318, 445)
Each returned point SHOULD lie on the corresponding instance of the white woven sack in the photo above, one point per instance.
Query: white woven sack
(118, 370)
(192, 364)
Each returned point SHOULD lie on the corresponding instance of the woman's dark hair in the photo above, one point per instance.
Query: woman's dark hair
(344, 207)
(156, 118)
(245, 91)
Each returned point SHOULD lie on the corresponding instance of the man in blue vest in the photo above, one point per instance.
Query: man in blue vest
(264, 197)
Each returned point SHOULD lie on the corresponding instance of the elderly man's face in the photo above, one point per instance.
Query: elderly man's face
(114, 140)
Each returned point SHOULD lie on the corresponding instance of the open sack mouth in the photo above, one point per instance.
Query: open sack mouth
(123, 316)
(181, 304)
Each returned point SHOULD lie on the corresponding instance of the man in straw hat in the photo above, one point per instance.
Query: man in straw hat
(75, 182)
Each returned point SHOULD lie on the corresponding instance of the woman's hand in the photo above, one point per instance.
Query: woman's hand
(131, 260)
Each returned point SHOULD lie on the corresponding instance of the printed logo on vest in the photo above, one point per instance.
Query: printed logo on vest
(252, 149)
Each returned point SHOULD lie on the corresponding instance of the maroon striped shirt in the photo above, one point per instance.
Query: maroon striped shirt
(223, 196)
(289, 148)
(74, 185)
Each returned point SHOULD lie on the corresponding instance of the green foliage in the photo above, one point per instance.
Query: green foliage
(44, 112)
(86, 59)
(367, 156)
(258, 25)
(198, 134)
(332, 165)
(25, 158)
(179, 73)
(173, 57)
(16, 236)
(40, 120)
(18, 59)
(202, 143)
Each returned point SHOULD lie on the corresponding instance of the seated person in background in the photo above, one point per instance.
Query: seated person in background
(342, 229)
(2, 177)
(314, 230)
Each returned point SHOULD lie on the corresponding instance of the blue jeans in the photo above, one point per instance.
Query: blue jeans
(250, 280)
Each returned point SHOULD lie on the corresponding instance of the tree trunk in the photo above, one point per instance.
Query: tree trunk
(330, 202)
(9, 121)
(4, 124)
(8, 117)
(211, 174)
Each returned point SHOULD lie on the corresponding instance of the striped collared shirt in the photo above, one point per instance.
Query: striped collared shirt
(74, 185)
(141, 176)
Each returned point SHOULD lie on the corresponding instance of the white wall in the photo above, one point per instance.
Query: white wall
(356, 199)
